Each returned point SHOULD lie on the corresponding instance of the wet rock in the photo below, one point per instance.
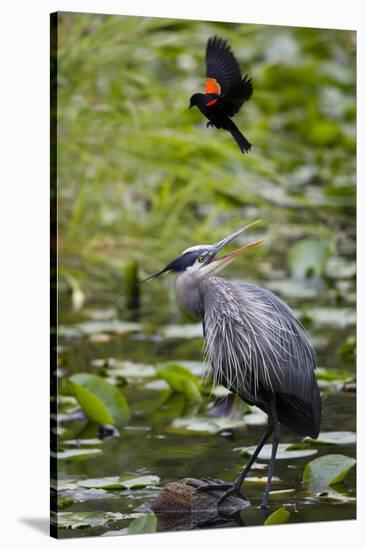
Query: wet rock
(180, 506)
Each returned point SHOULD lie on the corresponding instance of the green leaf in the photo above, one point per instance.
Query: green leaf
(113, 326)
(191, 391)
(332, 438)
(116, 482)
(100, 401)
(340, 268)
(84, 520)
(101, 483)
(294, 288)
(205, 425)
(181, 380)
(285, 451)
(307, 258)
(193, 330)
(145, 524)
(339, 317)
(325, 471)
(137, 482)
(76, 454)
(281, 515)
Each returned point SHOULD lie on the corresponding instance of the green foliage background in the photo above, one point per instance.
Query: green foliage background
(141, 178)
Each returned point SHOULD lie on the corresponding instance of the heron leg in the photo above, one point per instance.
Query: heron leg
(275, 441)
(235, 487)
(239, 481)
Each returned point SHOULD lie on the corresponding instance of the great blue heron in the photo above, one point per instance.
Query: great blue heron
(254, 344)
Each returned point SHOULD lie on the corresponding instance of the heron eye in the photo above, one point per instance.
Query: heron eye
(201, 259)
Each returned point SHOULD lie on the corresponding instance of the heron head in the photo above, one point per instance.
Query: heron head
(201, 259)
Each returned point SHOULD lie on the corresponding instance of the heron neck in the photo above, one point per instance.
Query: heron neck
(188, 292)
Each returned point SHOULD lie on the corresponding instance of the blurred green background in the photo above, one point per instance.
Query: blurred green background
(140, 178)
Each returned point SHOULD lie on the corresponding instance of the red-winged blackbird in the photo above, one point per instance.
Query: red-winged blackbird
(225, 92)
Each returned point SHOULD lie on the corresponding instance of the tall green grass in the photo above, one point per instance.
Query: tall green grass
(140, 177)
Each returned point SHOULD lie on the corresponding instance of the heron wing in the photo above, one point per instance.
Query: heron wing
(258, 348)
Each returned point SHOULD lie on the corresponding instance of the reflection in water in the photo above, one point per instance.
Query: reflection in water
(153, 443)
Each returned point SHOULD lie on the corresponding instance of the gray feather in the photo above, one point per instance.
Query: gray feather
(256, 346)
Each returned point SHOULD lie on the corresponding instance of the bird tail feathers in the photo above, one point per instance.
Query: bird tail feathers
(243, 143)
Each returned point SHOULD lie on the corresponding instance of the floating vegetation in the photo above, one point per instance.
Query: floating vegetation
(323, 476)
(285, 452)
(141, 182)
(100, 401)
(281, 515)
(119, 482)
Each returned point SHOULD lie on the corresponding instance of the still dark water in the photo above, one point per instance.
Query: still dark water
(151, 443)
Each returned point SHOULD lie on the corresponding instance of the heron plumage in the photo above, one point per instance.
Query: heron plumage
(254, 344)
(256, 347)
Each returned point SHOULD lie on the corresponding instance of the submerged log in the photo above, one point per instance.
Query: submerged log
(180, 506)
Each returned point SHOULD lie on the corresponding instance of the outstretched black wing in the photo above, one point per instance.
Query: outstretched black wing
(234, 99)
(223, 77)
(221, 65)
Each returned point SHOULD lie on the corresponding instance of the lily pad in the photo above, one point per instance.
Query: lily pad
(331, 317)
(339, 268)
(181, 380)
(129, 369)
(284, 452)
(332, 379)
(333, 438)
(113, 326)
(332, 375)
(256, 417)
(193, 330)
(79, 494)
(76, 454)
(205, 425)
(145, 524)
(307, 258)
(101, 314)
(100, 401)
(219, 391)
(139, 482)
(64, 501)
(281, 515)
(196, 367)
(82, 442)
(325, 471)
(101, 483)
(116, 482)
(292, 288)
(84, 520)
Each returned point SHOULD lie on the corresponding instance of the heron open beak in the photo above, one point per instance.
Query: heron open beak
(213, 265)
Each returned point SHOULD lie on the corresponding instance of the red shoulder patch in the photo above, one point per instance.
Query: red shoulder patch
(212, 86)
(212, 102)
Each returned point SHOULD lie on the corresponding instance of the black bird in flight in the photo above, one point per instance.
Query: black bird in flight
(226, 90)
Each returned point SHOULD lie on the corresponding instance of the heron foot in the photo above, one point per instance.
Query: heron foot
(219, 485)
(233, 490)
(214, 485)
